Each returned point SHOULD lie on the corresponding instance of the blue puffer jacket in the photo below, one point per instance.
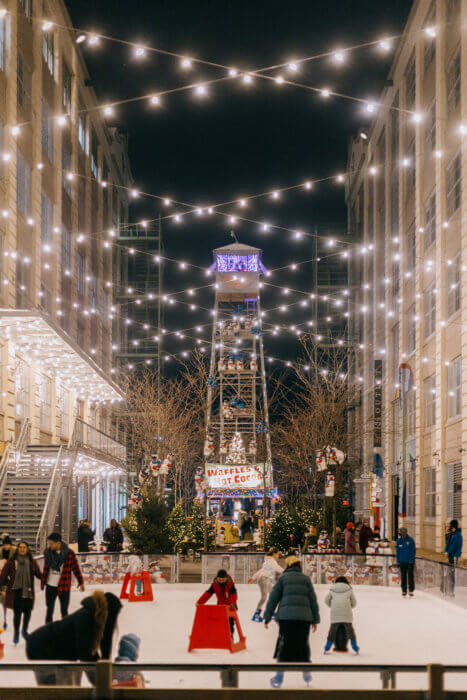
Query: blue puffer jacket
(405, 550)
(295, 596)
(453, 546)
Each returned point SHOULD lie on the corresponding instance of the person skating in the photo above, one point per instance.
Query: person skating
(223, 587)
(265, 578)
(341, 600)
(453, 549)
(405, 555)
(60, 563)
(114, 537)
(6, 552)
(18, 577)
(128, 652)
(364, 536)
(297, 609)
(85, 535)
(85, 635)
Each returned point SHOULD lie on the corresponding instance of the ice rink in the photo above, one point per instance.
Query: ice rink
(390, 630)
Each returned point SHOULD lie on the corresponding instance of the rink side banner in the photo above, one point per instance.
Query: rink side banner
(228, 476)
(378, 404)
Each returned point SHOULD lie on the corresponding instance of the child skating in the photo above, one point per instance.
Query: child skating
(223, 587)
(265, 578)
(341, 600)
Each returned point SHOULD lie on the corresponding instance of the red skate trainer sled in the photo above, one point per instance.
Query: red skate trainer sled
(211, 629)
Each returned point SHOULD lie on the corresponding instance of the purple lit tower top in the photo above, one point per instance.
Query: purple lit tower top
(238, 268)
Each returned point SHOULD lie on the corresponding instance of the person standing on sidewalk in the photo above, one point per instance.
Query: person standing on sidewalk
(405, 554)
(60, 563)
(364, 536)
(453, 549)
(18, 577)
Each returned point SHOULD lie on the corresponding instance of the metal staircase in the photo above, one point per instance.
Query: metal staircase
(32, 485)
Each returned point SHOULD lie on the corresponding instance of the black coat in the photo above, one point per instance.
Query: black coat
(114, 538)
(85, 536)
(71, 639)
(295, 596)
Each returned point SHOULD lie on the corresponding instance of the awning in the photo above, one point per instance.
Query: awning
(37, 337)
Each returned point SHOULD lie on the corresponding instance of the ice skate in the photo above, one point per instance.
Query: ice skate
(404, 594)
(16, 639)
(307, 677)
(327, 648)
(257, 616)
(411, 594)
(354, 646)
(277, 680)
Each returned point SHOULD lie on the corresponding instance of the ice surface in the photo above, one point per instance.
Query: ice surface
(390, 630)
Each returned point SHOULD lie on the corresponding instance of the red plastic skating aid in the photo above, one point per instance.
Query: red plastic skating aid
(126, 580)
(211, 629)
(146, 595)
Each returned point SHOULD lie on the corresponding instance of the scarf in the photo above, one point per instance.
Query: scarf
(23, 576)
(55, 559)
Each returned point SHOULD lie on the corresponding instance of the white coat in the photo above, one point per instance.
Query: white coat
(341, 600)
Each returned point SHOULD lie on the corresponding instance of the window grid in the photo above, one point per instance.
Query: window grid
(410, 83)
(430, 41)
(453, 82)
(429, 386)
(429, 474)
(410, 249)
(411, 494)
(453, 185)
(429, 310)
(453, 284)
(23, 185)
(26, 6)
(2, 43)
(23, 80)
(411, 407)
(454, 372)
(411, 329)
(66, 88)
(65, 249)
(48, 50)
(47, 132)
(66, 168)
(430, 130)
(45, 394)
(430, 220)
(46, 219)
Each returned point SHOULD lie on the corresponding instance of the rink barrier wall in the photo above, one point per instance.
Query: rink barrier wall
(102, 675)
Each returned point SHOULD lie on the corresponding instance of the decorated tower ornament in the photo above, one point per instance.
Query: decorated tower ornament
(208, 446)
(155, 465)
(236, 453)
(136, 498)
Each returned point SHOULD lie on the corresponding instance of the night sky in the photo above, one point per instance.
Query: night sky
(240, 139)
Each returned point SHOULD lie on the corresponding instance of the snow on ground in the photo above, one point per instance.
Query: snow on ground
(390, 630)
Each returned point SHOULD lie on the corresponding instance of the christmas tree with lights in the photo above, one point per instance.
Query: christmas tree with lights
(237, 453)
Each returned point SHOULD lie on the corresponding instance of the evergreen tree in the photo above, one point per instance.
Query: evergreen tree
(147, 526)
(177, 525)
(288, 525)
(195, 529)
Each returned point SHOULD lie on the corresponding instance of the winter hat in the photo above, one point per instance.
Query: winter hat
(7, 540)
(128, 647)
(402, 531)
(54, 537)
(350, 526)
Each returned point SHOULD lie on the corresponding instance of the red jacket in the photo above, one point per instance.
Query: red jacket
(7, 578)
(70, 566)
(226, 593)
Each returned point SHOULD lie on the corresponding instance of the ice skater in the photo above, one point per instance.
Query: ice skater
(405, 554)
(18, 576)
(341, 599)
(135, 566)
(295, 598)
(265, 578)
(223, 587)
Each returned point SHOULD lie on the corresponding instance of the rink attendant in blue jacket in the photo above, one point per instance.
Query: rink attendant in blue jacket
(405, 553)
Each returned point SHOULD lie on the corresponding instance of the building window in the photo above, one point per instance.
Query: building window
(45, 298)
(23, 286)
(2, 142)
(411, 494)
(410, 400)
(395, 285)
(81, 275)
(453, 82)
(46, 219)
(454, 491)
(429, 310)
(24, 86)
(411, 329)
(21, 389)
(23, 185)
(47, 132)
(452, 9)
(2, 43)
(83, 133)
(66, 168)
(48, 50)
(66, 88)
(410, 83)
(455, 388)
(430, 220)
(65, 256)
(94, 154)
(429, 390)
(453, 185)
(430, 41)
(411, 170)
(429, 474)
(26, 6)
(453, 286)
(64, 408)
(410, 249)
(45, 397)
(395, 353)
(430, 130)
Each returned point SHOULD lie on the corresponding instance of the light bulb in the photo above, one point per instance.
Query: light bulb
(201, 90)
(155, 100)
(108, 111)
(339, 57)
(385, 45)
(45, 27)
(325, 92)
(233, 72)
(140, 51)
(15, 130)
(279, 79)
(247, 78)
(186, 63)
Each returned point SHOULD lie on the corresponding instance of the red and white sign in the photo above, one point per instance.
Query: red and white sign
(227, 476)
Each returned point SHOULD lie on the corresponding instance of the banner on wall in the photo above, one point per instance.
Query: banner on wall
(230, 476)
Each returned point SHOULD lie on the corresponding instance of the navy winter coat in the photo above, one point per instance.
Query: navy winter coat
(295, 596)
(453, 546)
(405, 550)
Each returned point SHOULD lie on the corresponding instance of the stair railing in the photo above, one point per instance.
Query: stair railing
(52, 503)
(22, 440)
(4, 467)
